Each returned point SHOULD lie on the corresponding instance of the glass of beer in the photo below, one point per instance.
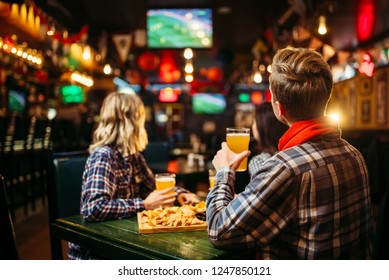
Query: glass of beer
(211, 176)
(238, 139)
(165, 181)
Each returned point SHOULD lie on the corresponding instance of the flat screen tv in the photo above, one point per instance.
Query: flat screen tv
(16, 101)
(72, 94)
(209, 103)
(179, 28)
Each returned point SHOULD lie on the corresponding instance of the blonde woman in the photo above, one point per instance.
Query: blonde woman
(117, 182)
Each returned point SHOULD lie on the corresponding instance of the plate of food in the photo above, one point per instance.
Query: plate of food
(173, 219)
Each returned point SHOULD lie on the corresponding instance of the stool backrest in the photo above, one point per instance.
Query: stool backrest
(64, 187)
(64, 175)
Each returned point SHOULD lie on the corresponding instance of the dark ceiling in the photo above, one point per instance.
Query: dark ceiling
(235, 31)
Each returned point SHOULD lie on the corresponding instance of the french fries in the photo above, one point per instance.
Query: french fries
(173, 216)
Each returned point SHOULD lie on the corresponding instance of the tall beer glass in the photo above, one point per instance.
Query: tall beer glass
(238, 139)
(165, 181)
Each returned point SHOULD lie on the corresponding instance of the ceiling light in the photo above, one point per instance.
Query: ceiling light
(86, 55)
(189, 68)
(188, 53)
(322, 25)
(82, 79)
(107, 69)
(257, 77)
(189, 78)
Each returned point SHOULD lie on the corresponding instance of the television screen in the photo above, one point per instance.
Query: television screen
(72, 94)
(209, 103)
(179, 28)
(16, 101)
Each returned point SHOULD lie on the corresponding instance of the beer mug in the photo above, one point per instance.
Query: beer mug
(164, 181)
(238, 139)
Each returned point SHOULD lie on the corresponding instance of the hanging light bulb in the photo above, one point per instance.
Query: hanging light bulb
(188, 53)
(107, 69)
(322, 25)
(189, 68)
(257, 77)
(189, 78)
(86, 55)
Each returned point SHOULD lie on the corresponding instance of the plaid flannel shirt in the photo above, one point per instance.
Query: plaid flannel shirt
(113, 187)
(310, 201)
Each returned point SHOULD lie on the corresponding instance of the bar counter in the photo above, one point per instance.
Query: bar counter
(119, 239)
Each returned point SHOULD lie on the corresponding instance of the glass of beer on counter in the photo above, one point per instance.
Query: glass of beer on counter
(211, 176)
(164, 181)
(238, 139)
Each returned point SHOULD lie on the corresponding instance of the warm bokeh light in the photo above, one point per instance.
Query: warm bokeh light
(51, 113)
(322, 25)
(107, 69)
(188, 53)
(189, 78)
(86, 55)
(335, 117)
(257, 77)
(189, 68)
(82, 79)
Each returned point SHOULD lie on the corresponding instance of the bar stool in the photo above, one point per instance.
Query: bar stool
(19, 144)
(39, 147)
(4, 122)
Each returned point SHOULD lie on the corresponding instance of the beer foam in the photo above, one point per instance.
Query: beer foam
(238, 134)
(165, 179)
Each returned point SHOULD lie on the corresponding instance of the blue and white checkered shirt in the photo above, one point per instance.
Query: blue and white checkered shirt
(310, 201)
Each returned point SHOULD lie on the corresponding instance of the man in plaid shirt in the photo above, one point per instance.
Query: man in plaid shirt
(311, 199)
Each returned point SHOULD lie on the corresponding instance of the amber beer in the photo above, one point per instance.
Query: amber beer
(211, 176)
(238, 141)
(164, 181)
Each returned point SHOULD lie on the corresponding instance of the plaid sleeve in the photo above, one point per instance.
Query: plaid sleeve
(144, 176)
(99, 201)
(254, 216)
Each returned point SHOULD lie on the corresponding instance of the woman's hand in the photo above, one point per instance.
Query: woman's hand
(226, 157)
(187, 198)
(158, 199)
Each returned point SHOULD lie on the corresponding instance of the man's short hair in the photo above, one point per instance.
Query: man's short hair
(301, 80)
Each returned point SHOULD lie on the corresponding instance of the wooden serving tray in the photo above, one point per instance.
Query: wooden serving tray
(144, 228)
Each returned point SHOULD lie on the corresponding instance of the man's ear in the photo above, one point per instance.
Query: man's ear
(280, 109)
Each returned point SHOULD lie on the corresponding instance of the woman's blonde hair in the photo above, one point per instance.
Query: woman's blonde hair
(122, 120)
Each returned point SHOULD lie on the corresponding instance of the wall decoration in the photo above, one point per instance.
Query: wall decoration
(148, 61)
(366, 111)
(353, 104)
(365, 86)
(123, 45)
(381, 98)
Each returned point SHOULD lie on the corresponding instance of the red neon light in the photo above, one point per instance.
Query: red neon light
(365, 19)
(172, 166)
(268, 95)
(367, 66)
(168, 95)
